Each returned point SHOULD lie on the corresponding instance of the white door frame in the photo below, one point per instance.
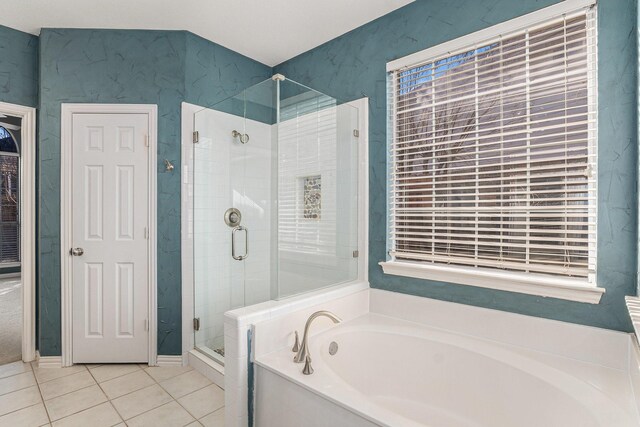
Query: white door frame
(66, 221)
(27, 223)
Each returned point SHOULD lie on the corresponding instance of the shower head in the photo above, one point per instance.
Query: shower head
(243, 137)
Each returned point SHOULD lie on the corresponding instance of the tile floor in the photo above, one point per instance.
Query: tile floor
(107, 395)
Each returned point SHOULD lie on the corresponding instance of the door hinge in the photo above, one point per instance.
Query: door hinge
(356, 253)
(356, 133)
(146, 233)
(196, 323)
(146, 140)
(196, 137)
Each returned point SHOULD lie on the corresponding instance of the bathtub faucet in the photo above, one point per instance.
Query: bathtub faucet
(302, 354)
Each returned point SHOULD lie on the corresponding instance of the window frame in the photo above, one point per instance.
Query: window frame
(16, 155)
(569, 288)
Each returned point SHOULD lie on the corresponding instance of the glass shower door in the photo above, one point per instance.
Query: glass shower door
(220, 230)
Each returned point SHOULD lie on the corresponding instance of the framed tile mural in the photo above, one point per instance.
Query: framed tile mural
(312, 197)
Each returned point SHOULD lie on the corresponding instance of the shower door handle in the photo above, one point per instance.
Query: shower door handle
(233, 243)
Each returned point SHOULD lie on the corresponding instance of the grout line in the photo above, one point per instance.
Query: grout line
(148, 410)
(53, 379)
(63, 394)
(132, 391)
(46, 410)
(217, 410)
(77, 412)
(83, 388)
(118, 376)
(105, 395)
(18, 389)
(19, 373)
(110, 401)
(188, 412)
(117, 413)
(20, 409)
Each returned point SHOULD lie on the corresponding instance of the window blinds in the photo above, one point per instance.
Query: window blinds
(9, 210)
(493, 153)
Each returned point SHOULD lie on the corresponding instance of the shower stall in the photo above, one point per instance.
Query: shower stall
(275, 200)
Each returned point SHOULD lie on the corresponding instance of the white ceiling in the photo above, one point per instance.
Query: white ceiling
(270, 31)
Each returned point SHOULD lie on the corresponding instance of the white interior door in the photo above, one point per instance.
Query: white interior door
(110, 232)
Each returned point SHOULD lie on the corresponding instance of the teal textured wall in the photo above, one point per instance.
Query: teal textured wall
(18, 67)
(165, 68)
(125, 66)
(354, 65)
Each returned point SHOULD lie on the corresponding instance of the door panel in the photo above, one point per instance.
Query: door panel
(110, 216)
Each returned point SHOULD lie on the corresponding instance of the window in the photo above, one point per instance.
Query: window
(493, 157)
(9, 199)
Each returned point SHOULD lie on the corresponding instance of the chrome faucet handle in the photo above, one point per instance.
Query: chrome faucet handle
(296, 344)
(307, 370)
(303, 352)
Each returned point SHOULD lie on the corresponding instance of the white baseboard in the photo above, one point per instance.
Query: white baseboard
(169, 360)
(49, 361)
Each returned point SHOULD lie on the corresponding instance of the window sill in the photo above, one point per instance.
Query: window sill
(532, 284)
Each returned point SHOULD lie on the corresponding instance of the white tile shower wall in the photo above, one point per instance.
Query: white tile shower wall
(229, 174)
(239, 322)
(314, 253)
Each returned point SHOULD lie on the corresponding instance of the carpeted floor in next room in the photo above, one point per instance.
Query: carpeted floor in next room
(10, 320)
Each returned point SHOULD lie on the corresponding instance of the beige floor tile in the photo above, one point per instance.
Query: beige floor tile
(168, 415)
(31, 416)
(17, 382)
(204, 401)
(103, 415)
(126, 384)
(47, 374)
(141, 401)
(108, 372)
(67, 384)
(19, 399)
(161, 373)
(76, 401)
(194, 424)
(215, 419)
(93, 365)
(14, 369)
(185, 383)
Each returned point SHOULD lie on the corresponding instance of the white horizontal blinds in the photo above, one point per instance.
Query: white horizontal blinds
(307, 144)
(494, 150)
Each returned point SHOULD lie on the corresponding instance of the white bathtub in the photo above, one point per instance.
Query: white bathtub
(391, 372)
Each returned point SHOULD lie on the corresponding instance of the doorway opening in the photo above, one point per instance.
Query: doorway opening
(10, 284)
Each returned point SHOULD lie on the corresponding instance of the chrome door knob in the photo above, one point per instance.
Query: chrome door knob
(76, 251)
